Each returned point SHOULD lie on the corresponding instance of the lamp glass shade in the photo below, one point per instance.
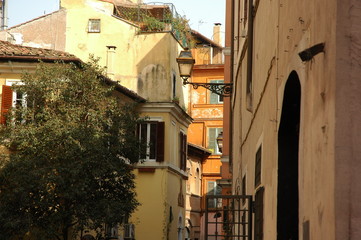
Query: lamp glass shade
(185, 62)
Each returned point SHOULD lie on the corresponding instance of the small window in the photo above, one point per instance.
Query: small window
(94, 25)
(215, 98)
(212, 139)
(258, 167)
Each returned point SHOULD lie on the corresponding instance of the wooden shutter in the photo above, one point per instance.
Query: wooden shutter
(6, 102)
(183, 151)
(160, 142)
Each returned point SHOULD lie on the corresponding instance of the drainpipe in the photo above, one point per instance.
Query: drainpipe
(230, 142)
(4, 15)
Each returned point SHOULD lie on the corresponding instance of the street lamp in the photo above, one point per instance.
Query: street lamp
(186, 62)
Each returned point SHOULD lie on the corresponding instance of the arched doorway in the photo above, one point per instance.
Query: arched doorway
(288, 140)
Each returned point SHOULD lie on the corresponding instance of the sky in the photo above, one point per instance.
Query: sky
(202, 14)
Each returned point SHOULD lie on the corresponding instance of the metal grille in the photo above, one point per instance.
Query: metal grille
(229, 218)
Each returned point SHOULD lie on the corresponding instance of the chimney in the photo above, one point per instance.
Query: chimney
(217, 33)
(4, 14)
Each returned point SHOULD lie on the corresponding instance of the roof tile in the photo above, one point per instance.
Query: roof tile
(10, 50)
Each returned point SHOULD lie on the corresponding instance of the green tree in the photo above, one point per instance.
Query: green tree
(72, 147)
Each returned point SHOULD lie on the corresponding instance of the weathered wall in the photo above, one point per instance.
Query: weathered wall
(347, 121)
(282, 29)
(162, 184)
(47, 31)
(139, 61)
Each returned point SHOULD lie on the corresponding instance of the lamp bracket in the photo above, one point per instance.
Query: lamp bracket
(221, 89)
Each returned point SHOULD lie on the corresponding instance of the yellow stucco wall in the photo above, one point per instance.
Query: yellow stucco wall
(159, 189)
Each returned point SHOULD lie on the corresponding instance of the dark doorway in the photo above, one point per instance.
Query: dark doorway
(288, 138)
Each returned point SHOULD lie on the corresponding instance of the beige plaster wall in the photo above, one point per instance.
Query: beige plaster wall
(282, 29)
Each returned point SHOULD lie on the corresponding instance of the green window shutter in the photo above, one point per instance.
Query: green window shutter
(214, 98)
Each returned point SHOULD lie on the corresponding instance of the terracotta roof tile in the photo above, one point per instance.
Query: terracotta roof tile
(14, 51)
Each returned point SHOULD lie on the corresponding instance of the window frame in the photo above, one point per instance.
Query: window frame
(94, 25)
(215, 150)
(217, 190)
(158, 146)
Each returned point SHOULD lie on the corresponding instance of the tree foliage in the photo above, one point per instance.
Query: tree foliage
(71, 151)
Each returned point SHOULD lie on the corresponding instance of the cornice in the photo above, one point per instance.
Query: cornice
(167, 107)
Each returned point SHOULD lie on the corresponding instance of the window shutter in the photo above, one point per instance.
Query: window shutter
(213, 98)
(6, 102)
(160, 142)
(183, 151)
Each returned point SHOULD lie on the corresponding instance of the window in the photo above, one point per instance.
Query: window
(94, 26)
(111, 231)
(11, 99)
(183, 151)
(214, 189)
(258, 167)
(215, 98)
(212, 139)
(152, 134)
